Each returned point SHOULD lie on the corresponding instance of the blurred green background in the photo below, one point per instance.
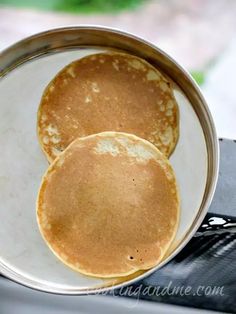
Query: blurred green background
(77, 6)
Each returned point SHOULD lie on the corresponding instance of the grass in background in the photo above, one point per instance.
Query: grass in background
(198, 76)
(76, 6)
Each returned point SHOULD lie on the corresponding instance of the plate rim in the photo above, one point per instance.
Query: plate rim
(211, 182)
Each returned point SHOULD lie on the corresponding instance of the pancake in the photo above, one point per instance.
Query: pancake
(107, 92)
(108, 205)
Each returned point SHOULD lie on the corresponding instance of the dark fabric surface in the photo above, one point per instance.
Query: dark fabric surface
(224, 201)
(208, 263)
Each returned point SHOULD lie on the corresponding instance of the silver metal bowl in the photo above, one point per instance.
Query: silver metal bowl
(25, 69)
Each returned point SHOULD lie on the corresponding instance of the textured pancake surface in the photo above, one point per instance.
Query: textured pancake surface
(108, 206)
(107, 92)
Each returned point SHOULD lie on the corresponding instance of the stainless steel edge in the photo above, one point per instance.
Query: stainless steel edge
(73, 37)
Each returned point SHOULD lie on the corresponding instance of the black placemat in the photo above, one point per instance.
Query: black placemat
(203, 274)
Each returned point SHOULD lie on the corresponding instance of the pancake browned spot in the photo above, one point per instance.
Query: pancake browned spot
(108, 92)
(108, 206)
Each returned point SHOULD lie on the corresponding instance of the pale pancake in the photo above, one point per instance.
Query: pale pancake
(108, 92)
(108, 206)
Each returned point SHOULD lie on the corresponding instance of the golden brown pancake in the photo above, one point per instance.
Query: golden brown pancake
(108, 205)
(107, 92)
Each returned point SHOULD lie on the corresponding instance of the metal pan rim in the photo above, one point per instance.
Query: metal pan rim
(10, 60)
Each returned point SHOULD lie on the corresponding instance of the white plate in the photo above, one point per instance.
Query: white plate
(24, 256)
